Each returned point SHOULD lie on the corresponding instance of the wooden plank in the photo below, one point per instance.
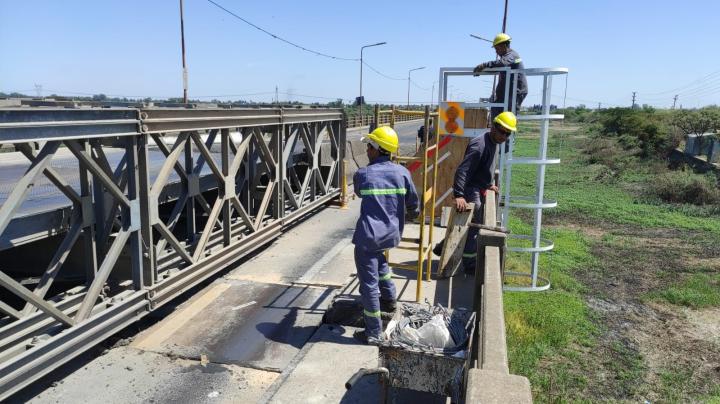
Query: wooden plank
(476, 118)
(455, 237)
(454, 149)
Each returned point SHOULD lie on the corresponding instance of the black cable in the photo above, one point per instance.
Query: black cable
(278, 37)
(382, 74)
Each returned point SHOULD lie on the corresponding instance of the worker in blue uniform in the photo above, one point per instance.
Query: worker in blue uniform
(506, 57)
(388, 198)
(474, 177)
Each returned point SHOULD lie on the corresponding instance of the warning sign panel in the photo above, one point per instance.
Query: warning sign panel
(452, 118)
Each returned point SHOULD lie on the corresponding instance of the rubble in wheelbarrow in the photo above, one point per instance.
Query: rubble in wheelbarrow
(430, 329)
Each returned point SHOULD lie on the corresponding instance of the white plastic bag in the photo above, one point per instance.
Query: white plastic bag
(435, 333)
(409, 334)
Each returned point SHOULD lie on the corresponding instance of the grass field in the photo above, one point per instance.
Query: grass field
(634, 309)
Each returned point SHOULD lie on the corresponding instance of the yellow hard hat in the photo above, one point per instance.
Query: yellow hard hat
(385, 137)
(507, 120)
(500, 38)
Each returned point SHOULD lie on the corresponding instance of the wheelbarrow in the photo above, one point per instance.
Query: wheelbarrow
(422, 368)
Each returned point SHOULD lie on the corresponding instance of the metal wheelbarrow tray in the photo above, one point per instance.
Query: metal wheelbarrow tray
(441, 372)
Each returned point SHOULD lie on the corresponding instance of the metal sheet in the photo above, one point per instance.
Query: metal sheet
(252, 324)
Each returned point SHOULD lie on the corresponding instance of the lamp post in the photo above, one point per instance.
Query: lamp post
(411, 70)
(360, 101)
(182, 42)
(432, 93)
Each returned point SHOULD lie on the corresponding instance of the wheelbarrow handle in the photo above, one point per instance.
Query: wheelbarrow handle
(384, 373)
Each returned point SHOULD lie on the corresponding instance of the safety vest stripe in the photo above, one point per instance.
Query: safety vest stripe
(518, 60)
(466, 255)
(383, 191)
(386, 277)
(372, 313)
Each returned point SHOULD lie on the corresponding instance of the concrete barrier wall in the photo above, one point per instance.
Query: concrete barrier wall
(491, 381)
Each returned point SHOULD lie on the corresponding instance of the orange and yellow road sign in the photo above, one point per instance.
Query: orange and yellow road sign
(452, 118)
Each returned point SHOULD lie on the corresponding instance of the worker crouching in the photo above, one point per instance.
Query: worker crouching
(388, 197)
(474, 177)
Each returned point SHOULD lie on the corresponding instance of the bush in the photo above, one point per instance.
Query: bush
(607, 152)
(645, 129)
(686, 187)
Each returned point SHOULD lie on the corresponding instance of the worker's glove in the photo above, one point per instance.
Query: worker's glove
(478, 69)
(412, 214)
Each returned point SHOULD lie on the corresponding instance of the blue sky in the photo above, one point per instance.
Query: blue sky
(132, 47)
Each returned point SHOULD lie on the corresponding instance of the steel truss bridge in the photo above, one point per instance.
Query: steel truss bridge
(108, 213)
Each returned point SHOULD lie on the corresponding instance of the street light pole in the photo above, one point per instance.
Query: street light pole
(182, 42)
(411, 70)
(360, 100)
(432, 94)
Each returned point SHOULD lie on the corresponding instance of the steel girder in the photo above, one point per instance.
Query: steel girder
(267, 169)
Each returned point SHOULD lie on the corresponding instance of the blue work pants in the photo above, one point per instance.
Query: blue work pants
(376, 282)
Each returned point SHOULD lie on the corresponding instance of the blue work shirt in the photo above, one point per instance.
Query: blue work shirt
(387, 191)
(475, 171)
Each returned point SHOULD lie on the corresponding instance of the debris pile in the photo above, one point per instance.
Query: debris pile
(430, 328)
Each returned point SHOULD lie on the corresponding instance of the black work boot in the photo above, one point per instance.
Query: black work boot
(362, 336)
(387, 310)
(388, 306)
(437, 250)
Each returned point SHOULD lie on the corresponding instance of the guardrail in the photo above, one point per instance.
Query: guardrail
(139, 246)
(489, 379)
(369, 119)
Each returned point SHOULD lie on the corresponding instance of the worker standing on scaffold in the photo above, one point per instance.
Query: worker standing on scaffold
(506, 57)
(388, 198)
(474, 177)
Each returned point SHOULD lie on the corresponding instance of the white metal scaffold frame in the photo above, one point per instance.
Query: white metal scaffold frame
(538, 202)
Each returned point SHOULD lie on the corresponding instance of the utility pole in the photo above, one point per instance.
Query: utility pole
(633, 102)
(182, 42)
(505, 17)
(599, 106)
(277, 98)
(674, 100)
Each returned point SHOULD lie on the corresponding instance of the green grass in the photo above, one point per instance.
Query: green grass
(697, 291)
(581, 194)
(674, 384)
(548, 323)
(548, 331)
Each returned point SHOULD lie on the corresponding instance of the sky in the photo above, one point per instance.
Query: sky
(132, 48)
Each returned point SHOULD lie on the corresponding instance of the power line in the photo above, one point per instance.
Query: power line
(299, 46)
(419, 87)
(697, 88)
(278, 37)
(692, 83)
(383, 74)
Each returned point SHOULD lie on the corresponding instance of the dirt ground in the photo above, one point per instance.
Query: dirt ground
(647, 350)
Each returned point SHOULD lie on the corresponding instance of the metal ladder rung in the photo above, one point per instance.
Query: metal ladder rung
(427, 195)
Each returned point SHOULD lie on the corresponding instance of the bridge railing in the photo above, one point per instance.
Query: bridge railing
(489, 379)
(154, 200)
(368, 119)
